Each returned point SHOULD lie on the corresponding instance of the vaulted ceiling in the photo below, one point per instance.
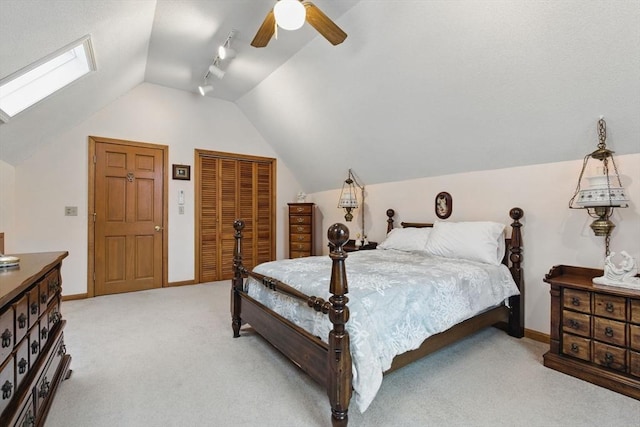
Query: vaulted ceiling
(419, 88)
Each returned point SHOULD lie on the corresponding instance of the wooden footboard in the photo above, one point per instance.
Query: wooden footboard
(330, 364)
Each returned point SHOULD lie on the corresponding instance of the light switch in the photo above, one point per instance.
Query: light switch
(70, 211)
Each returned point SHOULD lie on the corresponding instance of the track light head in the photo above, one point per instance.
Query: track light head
(216, 71)
(205, 89)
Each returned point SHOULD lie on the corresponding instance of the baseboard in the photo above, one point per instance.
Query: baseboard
(537, 336)
(183, 283)
(74, 296)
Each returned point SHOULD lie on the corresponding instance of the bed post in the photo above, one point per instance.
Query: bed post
(339, 363)
(390, 214)
(236, 282)
(516, 313)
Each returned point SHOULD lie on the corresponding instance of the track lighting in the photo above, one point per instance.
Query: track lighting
(205, 89)
(225, 51)
(216, 71)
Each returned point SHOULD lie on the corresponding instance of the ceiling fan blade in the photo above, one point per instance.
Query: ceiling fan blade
(265, 32)
(325, 26)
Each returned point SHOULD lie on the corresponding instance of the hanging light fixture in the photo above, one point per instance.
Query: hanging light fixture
(604, 192)
(290, 14)
(349, 201)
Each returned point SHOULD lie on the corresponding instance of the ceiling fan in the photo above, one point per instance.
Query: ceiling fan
(291, 15)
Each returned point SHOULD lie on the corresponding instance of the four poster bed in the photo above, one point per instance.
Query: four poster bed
(408, 298)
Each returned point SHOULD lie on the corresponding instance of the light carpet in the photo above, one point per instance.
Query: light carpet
(167, 357)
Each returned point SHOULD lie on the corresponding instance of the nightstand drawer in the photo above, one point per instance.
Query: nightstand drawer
(297, 220)
(634, 364)
(576, 323)
(610, 306)
(575, 346)
(634, 338)
(610, 331)
(300, 209)
(577, 300)
(609, 356)
(635, 311)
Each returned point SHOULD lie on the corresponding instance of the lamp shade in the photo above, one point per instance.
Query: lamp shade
(289, 14)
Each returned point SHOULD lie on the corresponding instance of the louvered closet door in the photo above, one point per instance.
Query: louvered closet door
(232, 188)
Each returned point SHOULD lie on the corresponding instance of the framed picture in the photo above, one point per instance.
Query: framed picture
(182, 172)
(443, 205)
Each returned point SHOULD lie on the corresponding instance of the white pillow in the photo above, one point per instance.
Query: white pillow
(474, 240)
(406, 239)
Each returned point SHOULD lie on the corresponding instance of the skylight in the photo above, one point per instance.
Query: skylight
(32, 84)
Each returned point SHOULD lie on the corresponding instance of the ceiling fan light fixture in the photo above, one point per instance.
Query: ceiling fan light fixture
(290, 14)
(205, 89)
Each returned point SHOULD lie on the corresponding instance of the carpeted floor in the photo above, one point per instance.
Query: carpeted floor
(166, 357)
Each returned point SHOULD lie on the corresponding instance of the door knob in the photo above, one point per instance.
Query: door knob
(158, 228)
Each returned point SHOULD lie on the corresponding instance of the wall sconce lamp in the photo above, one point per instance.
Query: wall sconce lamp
(604, 191)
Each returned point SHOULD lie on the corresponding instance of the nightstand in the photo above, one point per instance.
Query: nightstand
(595, 330)
(350, 246)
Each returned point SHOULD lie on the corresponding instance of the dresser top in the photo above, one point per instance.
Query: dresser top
(14, 280)
(581, 278)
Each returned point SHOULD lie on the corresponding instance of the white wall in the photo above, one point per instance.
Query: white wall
(552, 233)
(7, 185)
(57, 175)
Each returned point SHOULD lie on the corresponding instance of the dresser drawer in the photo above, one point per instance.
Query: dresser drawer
(22, 317)
(47, 377)
(610, 306)
(610, 331)
(577, 300)
(634, 337)
(609, 356)
(300, 209)
(7, 382)
(6, 333)
(634, 363)
(299, 254)
(34, 346)
(300, 246)
(635, 311)
(34, 306)
(26, 416)
(300, 229)
(300, 238)
(297, 220)
(575, 346)
(22, 361)
(576, 323)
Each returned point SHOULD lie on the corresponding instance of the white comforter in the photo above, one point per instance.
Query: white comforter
(396, 300)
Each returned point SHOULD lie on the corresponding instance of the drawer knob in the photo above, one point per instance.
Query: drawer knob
(608, 331)
(608, 359)
(43, 298)
(300, 209)
(22, 366)
(6, 338)
(300, 238)
(43, 333)
(22, 321)
(575, 301)
(609, 307)
(300, 228)
(34, 347)
(7, 389)
(55, 317)
(574, 324)
(300, 219)
(575, 348)
(44, 388)
(34, 308)
(29, 420)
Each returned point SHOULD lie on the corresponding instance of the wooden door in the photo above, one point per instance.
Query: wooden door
(129, 217)
(230, 187)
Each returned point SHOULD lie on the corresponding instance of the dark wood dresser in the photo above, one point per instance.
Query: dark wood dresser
(33, 356)
(595, 330)
(301, 229)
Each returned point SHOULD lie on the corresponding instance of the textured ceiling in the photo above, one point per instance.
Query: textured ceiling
(419, 88)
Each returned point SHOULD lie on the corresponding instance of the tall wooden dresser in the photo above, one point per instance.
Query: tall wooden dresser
(595, 330)
(301, 229)
(33, 355)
